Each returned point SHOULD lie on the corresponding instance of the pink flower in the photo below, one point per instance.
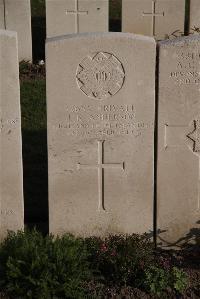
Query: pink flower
(103, 247)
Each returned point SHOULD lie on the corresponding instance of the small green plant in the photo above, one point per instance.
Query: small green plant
(158, 280)
(179, 280)
(33, 266)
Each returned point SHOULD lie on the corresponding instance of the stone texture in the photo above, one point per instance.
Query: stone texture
(100, 98)
(178, 177)
(11, 199)
(18, 18)
(194, 15)
(2, 19)
(158, 18)
(61, 16)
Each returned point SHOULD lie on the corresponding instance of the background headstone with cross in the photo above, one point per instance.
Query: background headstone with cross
(100, 133)
(76, 16)
(158, 18)
(11, 198)
(194, 16)
(15, 15)
(178, 177)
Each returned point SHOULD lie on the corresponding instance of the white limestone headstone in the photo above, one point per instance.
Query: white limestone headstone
(158, 18)
(11, 190)
(178, 177)
(15, 15)
(76, 16)
(100, 99)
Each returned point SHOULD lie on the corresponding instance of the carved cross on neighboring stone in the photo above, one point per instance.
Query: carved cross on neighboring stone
(153, 16)
(1, 125)
(76, 13)
(195, 136)
(173, 132)
(100, 167)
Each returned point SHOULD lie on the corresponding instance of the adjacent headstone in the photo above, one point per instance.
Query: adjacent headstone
(158, 18)
(194, 19)
(100, 97)
(11, 198)
(16, 15)
(178, 177)
(76, 16)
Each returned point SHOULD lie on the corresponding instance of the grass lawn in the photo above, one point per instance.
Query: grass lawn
(38, 8)
(34, 135)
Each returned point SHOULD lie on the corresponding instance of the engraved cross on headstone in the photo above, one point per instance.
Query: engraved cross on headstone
(175, 137)
(153, 16)
(100, 167)
(76, 13)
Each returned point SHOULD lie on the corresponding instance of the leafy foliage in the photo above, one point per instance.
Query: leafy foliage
(120, 259)
(33, 266)
(179, 280)
(158, 280)
(37, 267)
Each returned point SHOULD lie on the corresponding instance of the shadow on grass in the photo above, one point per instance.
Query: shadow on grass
(38, 37)
(34, 140)
(35, 179)
(115, 15)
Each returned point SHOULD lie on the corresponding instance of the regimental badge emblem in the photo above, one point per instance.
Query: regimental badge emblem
(195, 136)
(100, 76)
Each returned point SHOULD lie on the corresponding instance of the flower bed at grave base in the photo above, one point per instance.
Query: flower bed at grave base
(34, 266)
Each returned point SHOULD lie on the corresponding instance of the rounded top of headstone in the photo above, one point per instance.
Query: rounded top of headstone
(98, 35)
(183, 40)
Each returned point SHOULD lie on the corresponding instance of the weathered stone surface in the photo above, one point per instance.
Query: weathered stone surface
(100, 98)
(194, 15)
(11, 199)
(158, 18)
(16, 15)
(76, 16)
(178, 177)
(2, 24)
